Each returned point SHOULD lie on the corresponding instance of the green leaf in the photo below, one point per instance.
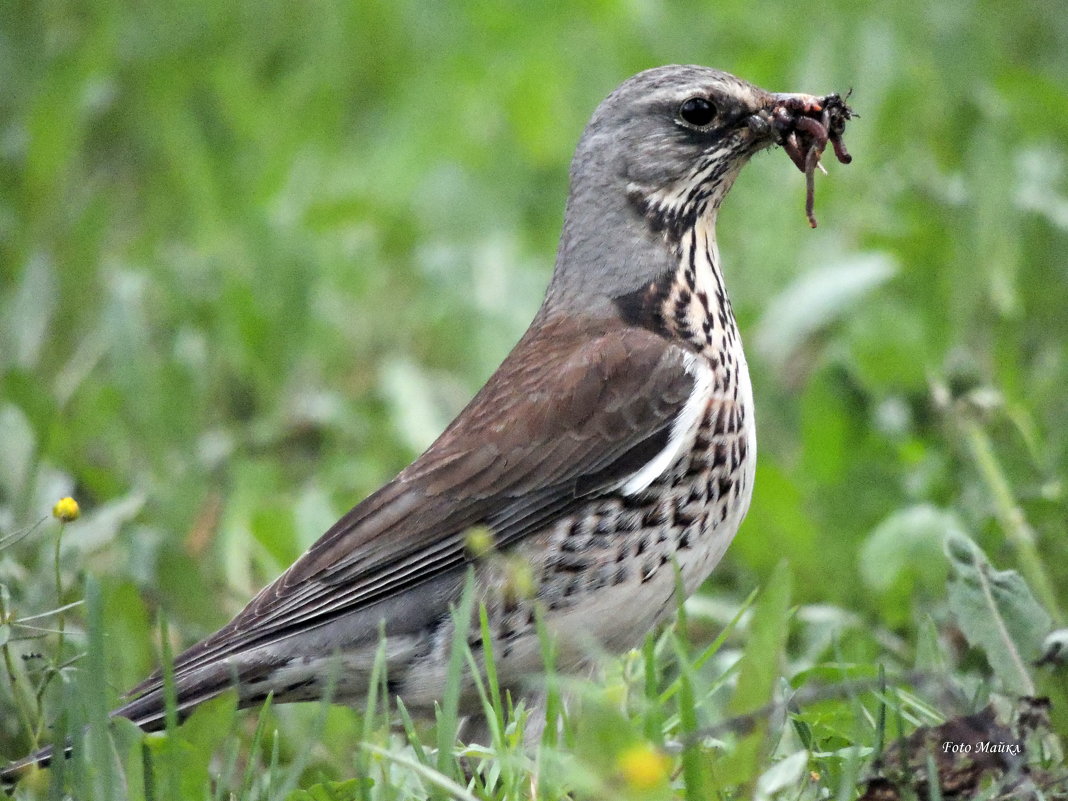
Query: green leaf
(100, 526)
(758, 673)
(817, 299)
(783, 775)
(903, 546)
(902, 556)
(188, 751)
(781, 517)
(29, 312)
(128, 742)
(759, 667)
(415, 402)
(17, 453)
(440, 781)
(996, 612)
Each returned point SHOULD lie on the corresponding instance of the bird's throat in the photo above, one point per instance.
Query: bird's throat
(689, 302)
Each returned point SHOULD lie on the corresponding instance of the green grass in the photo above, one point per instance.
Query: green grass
(254, 256)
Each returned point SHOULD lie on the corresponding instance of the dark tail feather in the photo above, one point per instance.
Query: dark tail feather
(148, 712)
(14, 771)
(152, 720)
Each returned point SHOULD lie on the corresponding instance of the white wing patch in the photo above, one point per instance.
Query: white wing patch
(682, 430)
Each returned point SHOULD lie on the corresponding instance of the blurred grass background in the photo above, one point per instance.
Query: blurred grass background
(255, 255)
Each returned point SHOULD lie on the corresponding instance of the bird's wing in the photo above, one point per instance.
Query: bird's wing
(567, 416)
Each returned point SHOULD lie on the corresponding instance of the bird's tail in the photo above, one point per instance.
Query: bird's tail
(148, 711)
(14, 771)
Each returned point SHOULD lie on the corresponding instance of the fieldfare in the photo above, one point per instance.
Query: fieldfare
(614, 443)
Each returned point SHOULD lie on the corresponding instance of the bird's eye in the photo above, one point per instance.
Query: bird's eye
(698, 111)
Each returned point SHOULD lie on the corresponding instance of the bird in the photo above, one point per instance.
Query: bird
(612, 454)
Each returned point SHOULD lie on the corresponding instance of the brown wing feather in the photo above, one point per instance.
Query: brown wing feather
(567, 415)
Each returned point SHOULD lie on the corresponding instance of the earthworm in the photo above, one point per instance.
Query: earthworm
(816, 129)
(818, 136)
(811, 161)
(804, 137)
(792, 146)
(840, 151)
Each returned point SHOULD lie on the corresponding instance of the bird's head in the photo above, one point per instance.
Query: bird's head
(675, 127)
(659, 155)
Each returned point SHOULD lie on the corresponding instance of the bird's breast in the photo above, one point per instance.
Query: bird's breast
(710, 485)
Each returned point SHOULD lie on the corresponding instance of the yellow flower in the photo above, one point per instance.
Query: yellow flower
(478, 541)
(519, 581)
(66, 510)
(615, 693)
(644, 766)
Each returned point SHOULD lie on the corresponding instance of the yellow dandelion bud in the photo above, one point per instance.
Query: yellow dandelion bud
(519, 581)
(615, 693)
(478, 542)
(66, 510)
(644, 766)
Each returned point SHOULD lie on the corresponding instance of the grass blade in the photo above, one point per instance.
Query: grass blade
(448, 713)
